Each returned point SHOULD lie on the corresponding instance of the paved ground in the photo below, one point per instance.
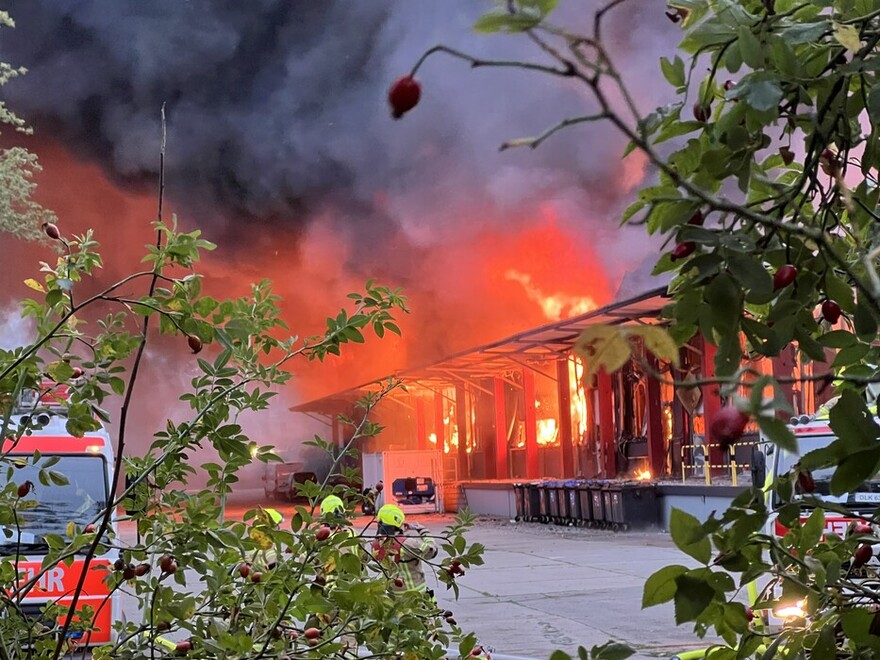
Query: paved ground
(545, 588)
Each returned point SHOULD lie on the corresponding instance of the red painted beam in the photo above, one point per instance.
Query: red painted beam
(656, 441)
(607, 435)
(421, 432)
(711, 406)
(565, 436)
(533, 468)
(461, 421)
(501, 469)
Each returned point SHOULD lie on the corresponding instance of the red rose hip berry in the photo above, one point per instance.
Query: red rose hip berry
(784, 277)
(728, 426)
(51, 230)
(830, 311)
(403, 96)
(863, 554)
(702, 111)
(697, 219)
(195, 344)
(683, 250)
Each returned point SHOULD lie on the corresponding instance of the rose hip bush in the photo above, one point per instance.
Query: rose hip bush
(763, 189)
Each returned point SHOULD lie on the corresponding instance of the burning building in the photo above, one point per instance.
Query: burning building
(520, 409)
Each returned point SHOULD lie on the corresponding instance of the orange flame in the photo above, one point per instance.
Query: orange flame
(548, 432)
(643, 475)
(556, 306)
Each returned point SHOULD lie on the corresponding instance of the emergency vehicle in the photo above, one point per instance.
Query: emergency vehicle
(87, 463)
(812, 432)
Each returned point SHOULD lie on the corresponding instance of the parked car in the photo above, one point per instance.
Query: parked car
(276, 479)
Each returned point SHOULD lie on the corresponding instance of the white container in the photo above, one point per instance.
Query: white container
(388, 466)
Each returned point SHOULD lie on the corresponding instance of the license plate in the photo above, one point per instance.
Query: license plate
(874, 498)
(864, 573)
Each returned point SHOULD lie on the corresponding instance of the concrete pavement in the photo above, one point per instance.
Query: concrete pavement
(545, 588)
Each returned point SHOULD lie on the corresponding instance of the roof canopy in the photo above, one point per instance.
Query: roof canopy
(549, 341)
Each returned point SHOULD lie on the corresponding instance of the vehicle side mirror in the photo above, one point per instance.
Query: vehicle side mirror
(759, 467)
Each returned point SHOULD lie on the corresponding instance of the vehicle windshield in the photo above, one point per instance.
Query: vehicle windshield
(822, 477)
(79, 501)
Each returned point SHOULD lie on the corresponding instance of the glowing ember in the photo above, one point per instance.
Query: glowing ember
(557, 306)
(643, 475)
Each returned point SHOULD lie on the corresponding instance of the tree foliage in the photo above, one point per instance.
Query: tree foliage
(765, 162)
(186, 571)
(20, 214)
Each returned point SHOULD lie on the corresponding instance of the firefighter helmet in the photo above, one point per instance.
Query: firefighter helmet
(332, 505)
(391, 515)
(273, 516)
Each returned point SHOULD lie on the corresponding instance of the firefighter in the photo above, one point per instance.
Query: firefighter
(266, 519)
(408, 551)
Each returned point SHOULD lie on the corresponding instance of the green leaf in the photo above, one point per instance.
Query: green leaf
(778, 433)
(840, 291)
(864, 321)
(750, 273)
(853, 425)
(848, 37)
(854, 470)
(857, 625)
(838, 339)
(689, 536)
(560, 655)
(502, 21)
(692, 596)
(543, 6)
(60, 371)
(611, 651)
(850, 355)
(750, 48)
(665, 215)
(661, 586)
(762, 94)
(812, 530)
(603, 346)
(673, 71)
(874, 105)
(657, 340)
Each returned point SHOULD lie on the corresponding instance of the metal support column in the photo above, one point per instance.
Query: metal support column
(461, 420)
(421, 432)
(501, 469)
(654, 410)
(711, 407)
(565, 435)
(606, 425)
(531, 420)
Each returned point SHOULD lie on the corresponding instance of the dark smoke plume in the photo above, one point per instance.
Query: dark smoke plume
(277, 108)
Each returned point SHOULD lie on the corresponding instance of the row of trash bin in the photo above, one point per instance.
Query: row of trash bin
(603, 504)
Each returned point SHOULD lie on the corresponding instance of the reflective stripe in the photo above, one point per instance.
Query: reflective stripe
(409, 579)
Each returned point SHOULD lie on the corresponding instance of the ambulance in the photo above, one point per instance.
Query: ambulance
(87, 464)
(812, 432)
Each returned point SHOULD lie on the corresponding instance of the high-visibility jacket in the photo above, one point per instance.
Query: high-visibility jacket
(408, 552)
